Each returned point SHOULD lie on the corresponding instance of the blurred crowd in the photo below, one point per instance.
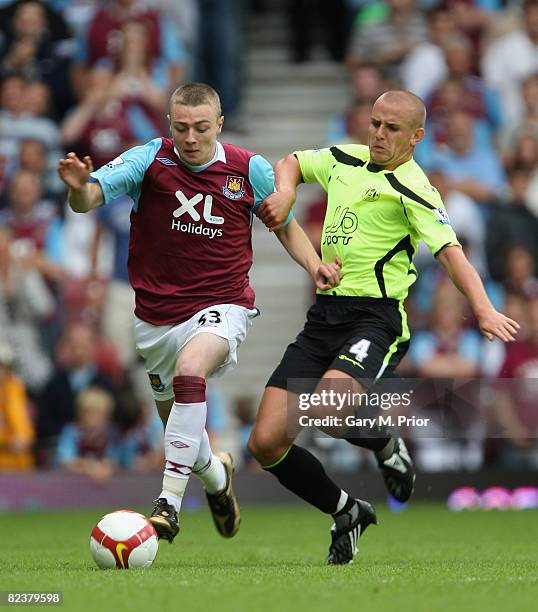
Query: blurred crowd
(94, 77)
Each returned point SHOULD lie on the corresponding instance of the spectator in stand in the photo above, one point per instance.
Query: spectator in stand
(474, 18)
(424, 67)
(34, 224)
(142, 446)
(520, 276)
(388, 42)
(16, 429)
(109, 119)
(185, 18)
(527, 122)
(33, 157)
(515, 406)
(449, 97)
(37, 45)
(476, 97)
(26, 304)
(103, 42)
(472, 168)
(523, 152)
(90, 445)
(77, 369)
(23, 116)
(353, 126)
(512, 58)
(447, 349)
(511, 224)
(134, 78)
(367, 84)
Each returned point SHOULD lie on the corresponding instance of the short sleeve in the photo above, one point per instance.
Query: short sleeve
(316, 165)
(124, 174)
(261, 177)
(429, 219)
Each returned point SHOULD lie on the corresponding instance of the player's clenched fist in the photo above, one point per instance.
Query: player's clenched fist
(275, 209)
(328, 275)
(75, 172)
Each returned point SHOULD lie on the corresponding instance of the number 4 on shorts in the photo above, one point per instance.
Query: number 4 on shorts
(360, 349)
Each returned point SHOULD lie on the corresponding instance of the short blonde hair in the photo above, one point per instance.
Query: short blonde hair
(196, 94)
(94, 398)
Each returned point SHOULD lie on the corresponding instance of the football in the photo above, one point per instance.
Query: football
(124, 540)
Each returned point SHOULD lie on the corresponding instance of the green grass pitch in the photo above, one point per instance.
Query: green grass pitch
(425, 558)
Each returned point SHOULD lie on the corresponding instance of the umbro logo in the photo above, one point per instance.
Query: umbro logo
(166, 161)
(179, 444)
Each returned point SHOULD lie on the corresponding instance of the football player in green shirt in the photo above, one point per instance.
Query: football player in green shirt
(380, 205)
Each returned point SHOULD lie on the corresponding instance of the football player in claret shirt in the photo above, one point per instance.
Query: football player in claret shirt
(189, 256)
(380, 204)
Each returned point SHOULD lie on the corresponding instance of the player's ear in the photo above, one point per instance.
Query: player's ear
(418, 136)
(220, 123)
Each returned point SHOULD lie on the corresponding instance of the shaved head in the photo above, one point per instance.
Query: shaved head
(396, 127)
(411, 106)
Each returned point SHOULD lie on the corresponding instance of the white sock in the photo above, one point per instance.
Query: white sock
(173, 490)
(182, 437)
(209, 468)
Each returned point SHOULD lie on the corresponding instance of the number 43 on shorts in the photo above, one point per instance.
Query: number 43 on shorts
(360, 349)
(213, 317)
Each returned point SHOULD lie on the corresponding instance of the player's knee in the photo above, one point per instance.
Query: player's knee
(189, 389)
(264, 447)
(190, 367)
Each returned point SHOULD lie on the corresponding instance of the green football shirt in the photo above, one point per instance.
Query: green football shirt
(375, 219)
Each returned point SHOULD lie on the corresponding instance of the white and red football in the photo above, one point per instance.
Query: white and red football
(123, 540)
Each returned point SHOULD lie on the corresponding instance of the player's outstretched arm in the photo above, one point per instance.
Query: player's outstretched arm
(465, 277)
(298, 245)
(276, 207)
(74, 172)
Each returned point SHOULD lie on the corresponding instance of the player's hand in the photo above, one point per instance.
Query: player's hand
(75, 172)
(275, 209)
(328, 275)
(494, 324)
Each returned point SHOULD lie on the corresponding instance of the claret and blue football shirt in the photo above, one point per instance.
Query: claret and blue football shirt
(190, 242)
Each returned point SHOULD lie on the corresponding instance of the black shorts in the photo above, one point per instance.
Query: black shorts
(364, 337)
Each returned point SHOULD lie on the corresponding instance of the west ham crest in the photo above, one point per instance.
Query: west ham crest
(156, 382)
(234, 188)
